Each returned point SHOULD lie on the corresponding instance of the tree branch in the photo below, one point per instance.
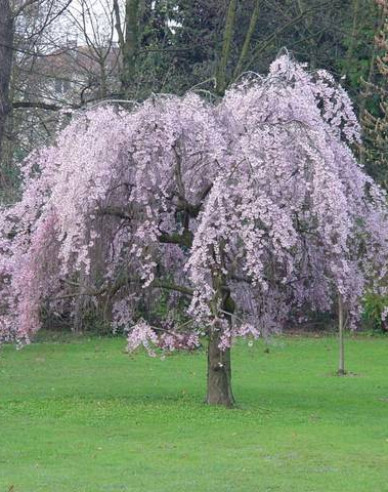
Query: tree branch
(156, 284)
(177, 288)
(184, 239)
(37, 105)
(116, 212)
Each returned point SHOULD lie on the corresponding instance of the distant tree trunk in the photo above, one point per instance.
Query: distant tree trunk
(219, 374)
(341, 328)
(356, 7)
(80, 302)
(221, 75)
(79, 308)
(247, 41)
(129, 42)
(6, 53)
(307, 15)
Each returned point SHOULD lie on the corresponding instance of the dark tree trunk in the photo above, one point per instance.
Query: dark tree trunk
(219, 374)
(6, 53)
(129, 40)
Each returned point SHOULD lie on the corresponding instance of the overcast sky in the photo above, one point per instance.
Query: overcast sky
(96, 17)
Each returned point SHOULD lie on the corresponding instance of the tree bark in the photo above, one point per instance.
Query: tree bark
(6, 54)
(219, 374)
(129, 42)
(79, 308)
(341, 327)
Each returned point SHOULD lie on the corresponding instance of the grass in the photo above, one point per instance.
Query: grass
(83, 416)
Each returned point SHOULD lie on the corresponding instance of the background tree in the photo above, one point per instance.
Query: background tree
(6, 54)
(375, 113)
(24, 32)
(93, 62)
(331, 34)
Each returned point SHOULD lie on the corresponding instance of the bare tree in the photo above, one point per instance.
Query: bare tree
(7, 21)
(96, 59)
(24, 25)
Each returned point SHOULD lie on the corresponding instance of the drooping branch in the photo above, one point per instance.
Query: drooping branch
(182, 205)
(112, 289)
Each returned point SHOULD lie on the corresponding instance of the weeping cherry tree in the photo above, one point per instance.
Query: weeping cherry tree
(245, 211)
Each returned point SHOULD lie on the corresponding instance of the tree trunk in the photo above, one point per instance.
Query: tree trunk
(219, 376)
(221, 74)
(80, 303)
(131, 47)
(6, 53)
(247, 41)
(341, 363)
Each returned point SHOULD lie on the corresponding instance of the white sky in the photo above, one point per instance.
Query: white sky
(95, 17)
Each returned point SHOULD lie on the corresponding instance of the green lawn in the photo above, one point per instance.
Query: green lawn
(84, 416)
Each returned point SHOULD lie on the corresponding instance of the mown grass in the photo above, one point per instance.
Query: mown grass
(84, 416)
